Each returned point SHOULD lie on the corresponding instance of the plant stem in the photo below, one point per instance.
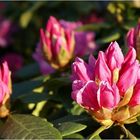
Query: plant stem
(131, 136)
(98, 131)
(128, 133)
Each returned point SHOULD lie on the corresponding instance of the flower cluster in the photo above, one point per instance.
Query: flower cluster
(60, 43)
(109, 87)
(57, 44)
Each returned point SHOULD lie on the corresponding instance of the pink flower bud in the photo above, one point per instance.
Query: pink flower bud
(129, 59)
(57, 44)
(130, 38)
(128, 78)
(107, 96)
(81, 70)
(5, 89)
(5, 76)
(87, 96)
(135, 100)
(129, 69)
(60, 42)
(114, 56)
(102, 71)
(53, 27)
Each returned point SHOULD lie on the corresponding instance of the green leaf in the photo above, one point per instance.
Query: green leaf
(84, 119)
(33, 97)
(73, 118)
(94, 27)
(28, 71)
(57, 82)
(28, 127)
(30, 91)
(112, 37)
(22, 88)
(26, 17)
(128, 26)
(39, 107)
(74, 136)
(68, 128)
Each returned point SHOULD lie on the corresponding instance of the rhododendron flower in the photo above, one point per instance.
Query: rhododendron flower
(5, 31)
(57, 44)
(108, 86)
(58, 37)
(14, 60)
(5, 88)
(60, 43)
(84, 41)
(133, 39)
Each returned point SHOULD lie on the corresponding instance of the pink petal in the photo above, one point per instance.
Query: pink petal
(53, 26)
(105, 96)
(114, 56)
(2, 91)
(87, 96)
(102, 72)
(128, 78)
(130, 58)
(91, 62)
(5, 73)
(116, 94)
(45, 43)
(130, 38)
(135, 100)
(81, 70)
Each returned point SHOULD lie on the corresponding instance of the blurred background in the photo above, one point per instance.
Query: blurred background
(20, 23)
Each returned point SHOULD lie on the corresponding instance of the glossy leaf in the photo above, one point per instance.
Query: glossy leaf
(73, 118)
(20, 89)
(74, 136)
(28, 127)
(68, 128)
